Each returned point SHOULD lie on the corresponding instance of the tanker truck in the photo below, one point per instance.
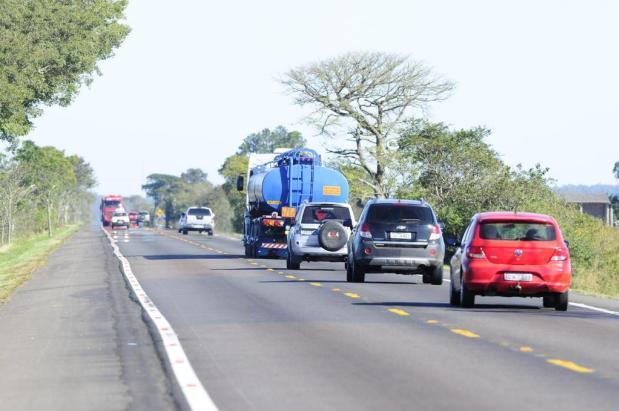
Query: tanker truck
(277, 185)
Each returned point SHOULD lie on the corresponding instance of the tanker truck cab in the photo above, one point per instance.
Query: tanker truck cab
(320, 233)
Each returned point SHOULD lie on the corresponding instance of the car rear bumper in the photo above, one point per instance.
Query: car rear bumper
(319, 253)
(400, 259)
(488, 279)
(198, 227)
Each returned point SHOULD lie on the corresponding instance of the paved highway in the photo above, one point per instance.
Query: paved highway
(262, 337)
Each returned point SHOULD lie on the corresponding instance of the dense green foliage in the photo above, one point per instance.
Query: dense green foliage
(48, 49)
(42, 188)
(460, 175)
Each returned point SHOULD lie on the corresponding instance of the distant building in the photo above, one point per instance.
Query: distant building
(595, 204)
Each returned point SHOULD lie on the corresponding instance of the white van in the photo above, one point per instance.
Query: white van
(197, 219)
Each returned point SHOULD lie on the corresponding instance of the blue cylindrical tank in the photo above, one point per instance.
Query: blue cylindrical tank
(270, 189)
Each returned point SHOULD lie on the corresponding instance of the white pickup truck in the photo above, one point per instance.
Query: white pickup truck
(320, 233)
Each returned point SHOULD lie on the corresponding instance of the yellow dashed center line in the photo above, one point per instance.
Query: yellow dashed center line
(316, 284)
(290, 276)
(335, 289)
(301, 279)
(571, 366)
(280, 272)
(464, 333)
(270, 269)
(254, 263)
(352, 295)
(432, 322)
(398, 311)
(525, 348)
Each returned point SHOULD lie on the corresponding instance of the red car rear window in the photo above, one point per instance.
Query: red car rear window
(517, 231)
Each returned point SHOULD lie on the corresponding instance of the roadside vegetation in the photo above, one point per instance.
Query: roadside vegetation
(48, 50)
(21, 258)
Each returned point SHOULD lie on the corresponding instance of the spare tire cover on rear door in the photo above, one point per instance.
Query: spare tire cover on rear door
(332, 236)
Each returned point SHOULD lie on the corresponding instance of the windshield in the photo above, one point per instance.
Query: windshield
(318, 214)
(399, 213)
(199, 211)
(111, 203)
(517, 231)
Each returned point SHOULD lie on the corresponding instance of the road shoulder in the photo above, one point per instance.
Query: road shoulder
(73, 336)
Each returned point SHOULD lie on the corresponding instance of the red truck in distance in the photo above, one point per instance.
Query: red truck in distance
(109, 204)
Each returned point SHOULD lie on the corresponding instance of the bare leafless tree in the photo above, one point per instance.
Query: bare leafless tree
(361, 100)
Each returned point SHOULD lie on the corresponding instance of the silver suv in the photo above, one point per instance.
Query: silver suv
(396, 236)
(197, 219)
(320, 233)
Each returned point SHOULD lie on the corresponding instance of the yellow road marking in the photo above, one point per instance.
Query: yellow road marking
(352, 295)
(432, 322)
(301, 279)
(270, 269)
(290, 276)
(335, 289)
(399, 311)
(316, 284)
(571, 366)
(464, 333)
(525, 348)
(280, 272)
(254, 263)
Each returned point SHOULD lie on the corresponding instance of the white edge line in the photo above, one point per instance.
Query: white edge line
(195, 394)
(590, 307)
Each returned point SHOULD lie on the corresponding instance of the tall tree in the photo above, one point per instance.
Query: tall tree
(48, 49)
(194, 176)
(164, 189)
(49, 171)
(616, 169)
(365, 98)
(267, 141)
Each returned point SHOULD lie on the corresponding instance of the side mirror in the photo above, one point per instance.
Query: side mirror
(240, 183)
(567, 243)
(442, 225)
(348, 223)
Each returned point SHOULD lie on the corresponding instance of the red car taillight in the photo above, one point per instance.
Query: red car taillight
(364, 231)
(475, 252)
(561, 254)
(436, 233)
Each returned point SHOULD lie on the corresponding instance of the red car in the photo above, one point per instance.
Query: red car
(133, 217)
(514, 255)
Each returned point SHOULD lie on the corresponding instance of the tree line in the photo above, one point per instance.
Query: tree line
(42, 188)
(49, 49)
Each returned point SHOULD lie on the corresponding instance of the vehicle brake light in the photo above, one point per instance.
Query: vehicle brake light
(436, 233)
(475, 252)
(561, 254)
(365, 231)
(269, 222)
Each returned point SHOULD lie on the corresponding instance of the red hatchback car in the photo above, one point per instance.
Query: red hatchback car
(514, 255)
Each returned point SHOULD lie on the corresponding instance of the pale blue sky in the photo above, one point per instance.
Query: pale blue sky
(195, 77)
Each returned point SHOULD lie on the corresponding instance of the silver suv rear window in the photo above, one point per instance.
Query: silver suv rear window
(318, 214)
(517, 231)
(399, 213)
(199, 211)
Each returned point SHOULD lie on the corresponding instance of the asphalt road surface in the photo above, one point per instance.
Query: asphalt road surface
(263, 337)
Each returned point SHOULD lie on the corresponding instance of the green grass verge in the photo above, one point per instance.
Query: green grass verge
(19, 260)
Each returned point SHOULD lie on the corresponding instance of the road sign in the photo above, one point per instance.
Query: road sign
(159, 212)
